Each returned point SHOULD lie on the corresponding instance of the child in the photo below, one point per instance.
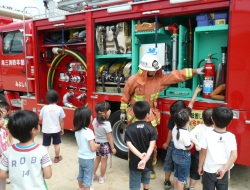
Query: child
(5, 107)
(86, 146)
(3, 145)
(218, 151)
(199, 131)
(140, 138)
(169, 145)
(183, 145)
(103, 136)
(53, 124)
(25, 163)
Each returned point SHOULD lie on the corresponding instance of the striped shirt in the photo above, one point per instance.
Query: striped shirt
(25, 164)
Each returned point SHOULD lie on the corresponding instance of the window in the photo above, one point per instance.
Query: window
(12, 42)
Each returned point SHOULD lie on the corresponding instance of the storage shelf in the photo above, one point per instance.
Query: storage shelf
(211, 28)
(127, 56)
(111, 83)
(161, 31)
(198, 99)
(108, 93)
(60, 45)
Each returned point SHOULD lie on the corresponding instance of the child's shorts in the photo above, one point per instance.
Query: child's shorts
(182, 161)
(136, 177)
(104, 151)
(86, 167)
(56, 138)
(168, 162)
(210, 181)
(194, 166)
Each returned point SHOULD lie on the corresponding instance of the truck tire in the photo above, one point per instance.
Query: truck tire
(118, 132)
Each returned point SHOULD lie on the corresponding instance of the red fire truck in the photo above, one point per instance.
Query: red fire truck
(88, 55)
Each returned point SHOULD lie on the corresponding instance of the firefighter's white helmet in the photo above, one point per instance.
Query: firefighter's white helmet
(149, 62)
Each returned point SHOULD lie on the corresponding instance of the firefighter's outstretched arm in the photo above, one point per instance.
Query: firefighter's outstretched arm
(179, 76)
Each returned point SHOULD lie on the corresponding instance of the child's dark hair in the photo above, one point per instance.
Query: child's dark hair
(141, 109)
(181, 118)
(21, 124)
(177, 106)
(52, 96)
(206, 116)
(100, 108)
(222, 116)
(1, 114)
(82, 118)
(5, 105)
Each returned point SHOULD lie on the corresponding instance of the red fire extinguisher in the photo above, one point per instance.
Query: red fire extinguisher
(208, 80)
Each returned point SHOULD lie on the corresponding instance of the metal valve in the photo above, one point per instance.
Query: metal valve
(66, 79)
(81, 96)
(78, 79)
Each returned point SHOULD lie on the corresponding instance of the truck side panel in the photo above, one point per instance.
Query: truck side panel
(238, 58)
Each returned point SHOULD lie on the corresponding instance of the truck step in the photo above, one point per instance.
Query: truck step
(29, 57)
(16, 102)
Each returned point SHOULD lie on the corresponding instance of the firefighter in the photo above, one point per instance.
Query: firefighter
(146, 85)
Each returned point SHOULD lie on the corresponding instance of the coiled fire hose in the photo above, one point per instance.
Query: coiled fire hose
(57, 60)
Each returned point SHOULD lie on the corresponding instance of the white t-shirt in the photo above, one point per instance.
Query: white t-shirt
(198, 133)
(83, 137)
(101, 130)
(51, 115)
(219, 146)
(25, 164)
(184, 140)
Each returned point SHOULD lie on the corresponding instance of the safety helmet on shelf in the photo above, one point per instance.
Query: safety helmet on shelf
(149, 62)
